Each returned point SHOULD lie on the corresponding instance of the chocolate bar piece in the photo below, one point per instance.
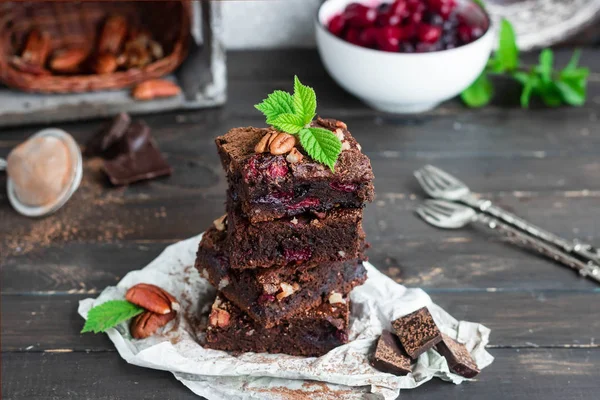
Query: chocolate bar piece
(139, 158)
(458, 357)
(312, 333)
(102, 144)
(389, 355)
(417, 332)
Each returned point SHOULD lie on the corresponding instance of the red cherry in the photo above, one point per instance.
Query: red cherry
(429, 33)
(359, 15)
(388, 19)
(399, 8)
(416, 17)
(464, 33)
(415, 5)
(410, 31)
(389, 38)
(352, 36)
(336, 25)
(368, 37)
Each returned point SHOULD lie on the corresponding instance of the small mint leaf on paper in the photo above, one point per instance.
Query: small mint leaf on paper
(110, 314)
(277, 103)
(322, 145)
(305, 101)
(508, 53)
(289, 123)
(479, 93)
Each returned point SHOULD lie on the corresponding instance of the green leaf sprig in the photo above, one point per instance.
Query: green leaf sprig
(293, 114)
(566, 86)
(110, 314)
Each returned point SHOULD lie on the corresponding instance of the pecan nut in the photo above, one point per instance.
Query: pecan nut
(68, 60)
(221, 223)
(147, 323)
(263, 145)
(105, 63)
(219, 318)
(282, 143)
(113, 34)
(36, 48)
(155, 88)
(152, 298)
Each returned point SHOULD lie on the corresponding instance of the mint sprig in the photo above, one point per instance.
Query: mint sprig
(110, 314)
(566, 86)
(293, 114)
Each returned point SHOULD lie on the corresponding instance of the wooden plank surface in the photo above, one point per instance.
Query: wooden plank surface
(540, 163)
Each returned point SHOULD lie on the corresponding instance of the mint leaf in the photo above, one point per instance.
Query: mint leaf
(549, 94)
(530, 84)
(507, 54)
(479, 3)
(545, 67)
(289, 123)
(305, 101)
(278, 102)
(574, 61)
(322, 145)
(577, 73)
(479, 93)
(110, 314)
(573, 92)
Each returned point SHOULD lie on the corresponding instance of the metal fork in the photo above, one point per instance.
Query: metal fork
(441, 185)
(444, 214)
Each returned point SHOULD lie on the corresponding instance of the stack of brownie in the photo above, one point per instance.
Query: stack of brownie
(290, 247)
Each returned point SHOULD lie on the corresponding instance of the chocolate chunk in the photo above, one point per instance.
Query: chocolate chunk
(458, 357)
(135, 137)
(389, 355)
(102, 144)
(417, 332)
(146, 163)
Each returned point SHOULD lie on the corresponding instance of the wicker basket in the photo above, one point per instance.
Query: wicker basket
(73, 24)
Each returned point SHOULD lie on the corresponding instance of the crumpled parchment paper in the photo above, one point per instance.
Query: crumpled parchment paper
(343, 373)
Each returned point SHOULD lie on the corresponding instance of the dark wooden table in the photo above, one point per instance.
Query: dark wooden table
(542, 164)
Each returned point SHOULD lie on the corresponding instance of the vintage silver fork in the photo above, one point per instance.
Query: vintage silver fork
(441, 185)
(448, 215)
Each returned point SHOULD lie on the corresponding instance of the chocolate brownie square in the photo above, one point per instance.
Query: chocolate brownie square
(389, 355)
(271, 187)
(334, 235)
(458, 357)
(270, 295)
(417, 332)
(312, 333)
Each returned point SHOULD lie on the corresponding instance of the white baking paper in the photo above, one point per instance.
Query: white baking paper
(343, 373)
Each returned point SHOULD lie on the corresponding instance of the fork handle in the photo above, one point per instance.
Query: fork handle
(583, 250)
(588, 269)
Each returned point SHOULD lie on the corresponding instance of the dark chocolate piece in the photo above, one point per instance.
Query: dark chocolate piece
(270, 295)
(417, 332)
(270, 187)
(103, 141)
(389, 356)
(311, 333)
(146, 163)
(458, 357)
(135, 137)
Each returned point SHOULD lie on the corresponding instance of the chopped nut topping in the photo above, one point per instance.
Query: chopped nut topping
(204, 274)
(270, 288)
(286, 290)
(250, 332)
(217, 303)
(335, 298)
(341, 124)
(282, 143)
(294, 221)
(358, 146)
(223, 283)
(294, 157)
(342, 253)
(340, 134)
(345, 145)
(219, 223)
(219, 318)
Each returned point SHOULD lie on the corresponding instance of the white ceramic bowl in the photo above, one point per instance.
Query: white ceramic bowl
(401, 82)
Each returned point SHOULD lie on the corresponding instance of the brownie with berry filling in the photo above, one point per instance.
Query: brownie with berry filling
(275, 186)
(311, 333)
(270, 295)
(334, 235)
